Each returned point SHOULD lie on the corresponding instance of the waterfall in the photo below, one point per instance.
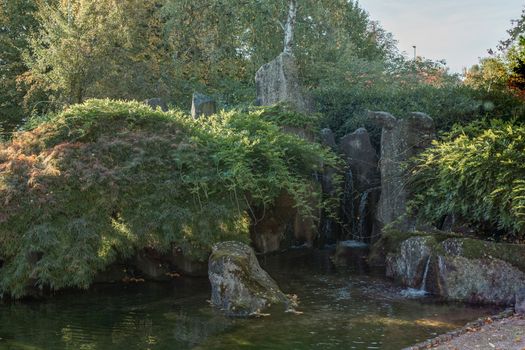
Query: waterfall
(361, 234)
(348, 205)
(326, 230)
(425, 274)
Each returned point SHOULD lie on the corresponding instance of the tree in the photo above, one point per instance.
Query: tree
(490, 74)
(218, 47)
(16, 24)
(87, 48)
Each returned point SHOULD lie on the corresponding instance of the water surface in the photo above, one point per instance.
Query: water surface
(343, 309)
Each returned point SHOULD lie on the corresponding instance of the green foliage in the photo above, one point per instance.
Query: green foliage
(477, 173)
(102, 179)
(355, 86)
(16, 24)
(86, 49)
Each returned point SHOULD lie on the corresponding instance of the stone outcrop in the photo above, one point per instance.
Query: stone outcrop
(460, 269)
(408, 266)
(363, 185)
(401, 139)
(202, 105)
(278, 81)
(477, 280)
(361, 158)
(155, 103)
(240, 287)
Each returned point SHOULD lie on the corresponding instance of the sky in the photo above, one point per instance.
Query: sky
(459, 31)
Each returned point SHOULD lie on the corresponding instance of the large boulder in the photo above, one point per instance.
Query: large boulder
(479, 272)
(460, 269)
(202, 105)
(361, 158)
(490, 281)
(362, 184)
(401, 139)
(239, 286)
(409, 264)
(278, 81)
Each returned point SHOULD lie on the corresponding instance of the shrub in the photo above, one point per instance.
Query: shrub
(478, 173)
(98, 181)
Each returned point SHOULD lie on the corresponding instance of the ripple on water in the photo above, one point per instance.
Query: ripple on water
(343, 309)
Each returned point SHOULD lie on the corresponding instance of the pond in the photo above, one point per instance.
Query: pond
(342, 309)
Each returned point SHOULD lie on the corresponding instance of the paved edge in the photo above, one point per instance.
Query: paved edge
(428, 344)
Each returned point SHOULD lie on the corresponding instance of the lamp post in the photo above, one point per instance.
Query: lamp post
(414, 46)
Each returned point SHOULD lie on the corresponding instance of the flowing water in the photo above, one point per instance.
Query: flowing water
(343, 309)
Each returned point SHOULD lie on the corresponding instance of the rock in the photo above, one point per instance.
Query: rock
(152, 265)
(239, 286)
(519, 306)
(489, 281)
(361, 158)
(157, 102)
(202, 105)
(278, 81)
(362, 184)
(458, 269)
(351, 253)
(186, 265)
(408, 266)
(401, 139)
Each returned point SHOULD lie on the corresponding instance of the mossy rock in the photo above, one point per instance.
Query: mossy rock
(390, 243)
(240, 287)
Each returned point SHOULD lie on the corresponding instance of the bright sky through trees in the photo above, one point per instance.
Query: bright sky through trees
(458, 31)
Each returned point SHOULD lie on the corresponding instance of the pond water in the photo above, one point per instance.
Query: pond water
(343, 309)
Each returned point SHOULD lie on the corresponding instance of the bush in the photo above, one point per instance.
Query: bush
(478, 173)
(100, 180)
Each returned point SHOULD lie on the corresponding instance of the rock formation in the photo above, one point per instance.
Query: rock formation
(361, 158)
(401, 139)
(202, 105)
(408, 266)
(239, 286)
(278, 81)
(460, 269)
(363, 185)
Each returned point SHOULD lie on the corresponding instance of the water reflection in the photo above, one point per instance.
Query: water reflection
(343, 309)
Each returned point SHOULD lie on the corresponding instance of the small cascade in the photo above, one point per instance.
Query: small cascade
(348, 205)
(326, 230)
(361, 234)
(423, 287)
(421, 292)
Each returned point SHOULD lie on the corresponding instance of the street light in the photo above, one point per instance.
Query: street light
(414, 46)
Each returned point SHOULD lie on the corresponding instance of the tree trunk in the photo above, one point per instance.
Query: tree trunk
(289, 27)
